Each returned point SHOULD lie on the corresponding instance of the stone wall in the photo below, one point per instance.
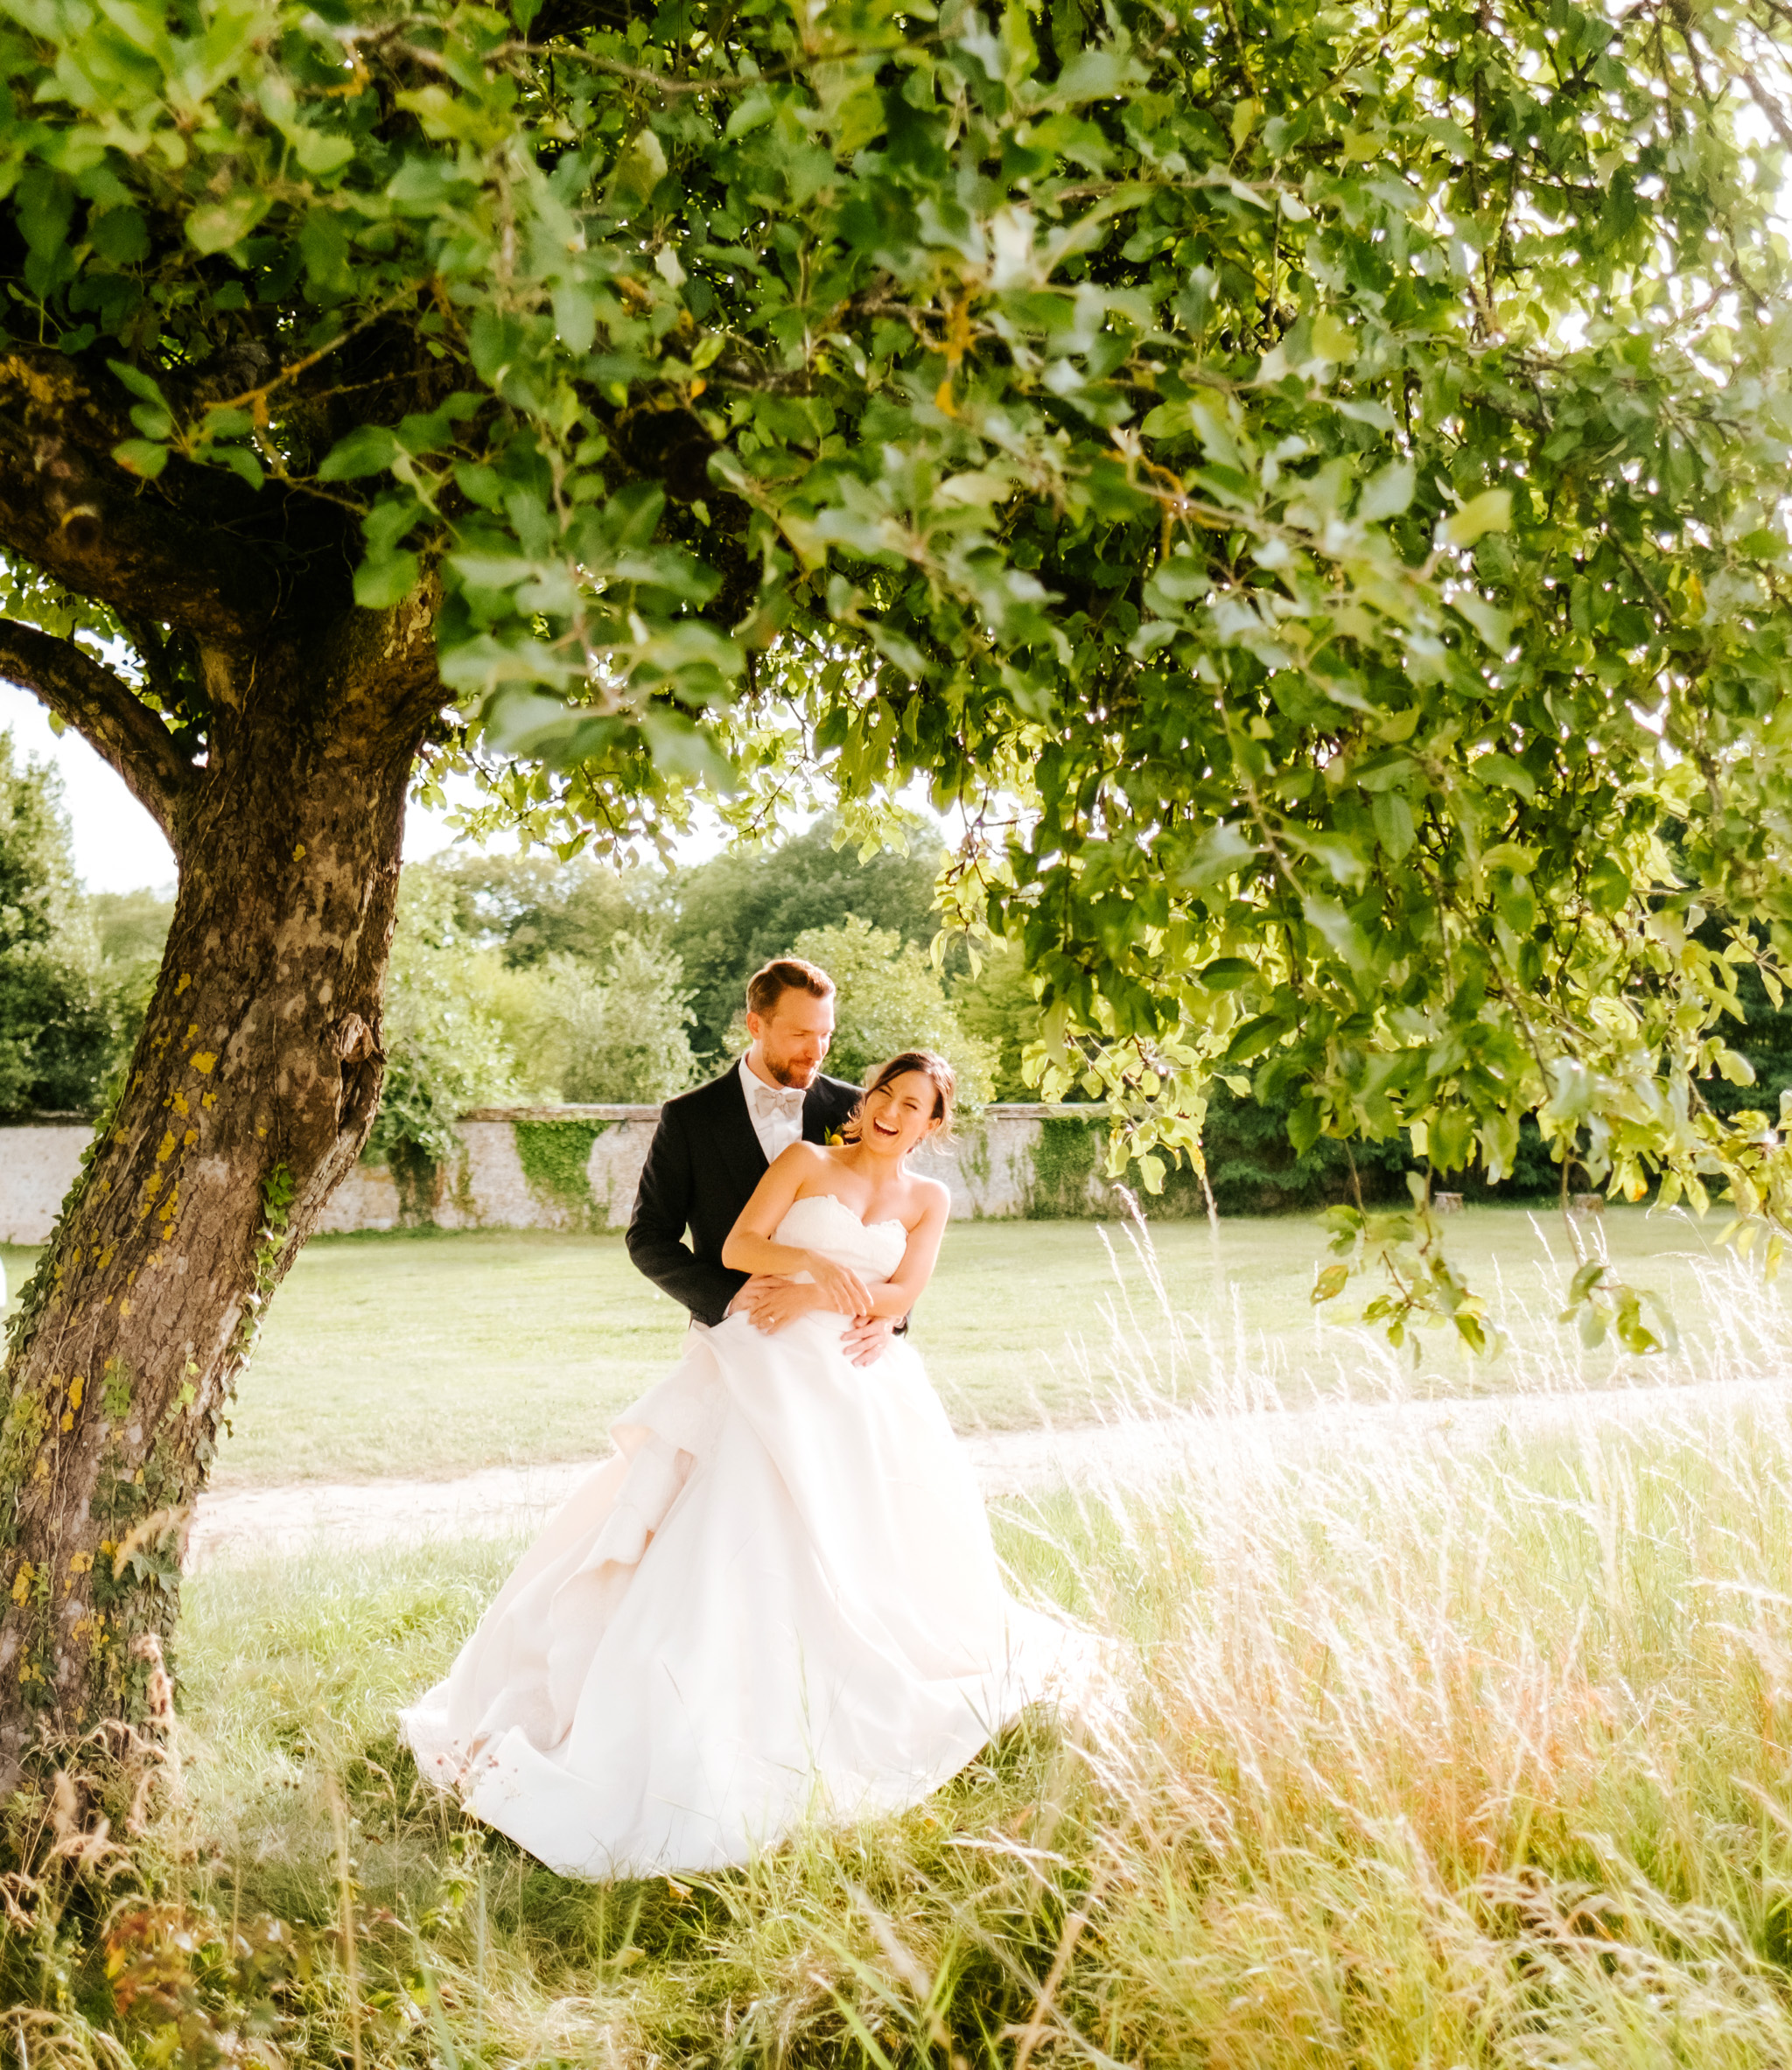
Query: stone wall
(578, 1167)
(38, 1165)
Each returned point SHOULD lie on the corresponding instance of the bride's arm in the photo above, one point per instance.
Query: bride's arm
(750, 1246)
(899, 1293)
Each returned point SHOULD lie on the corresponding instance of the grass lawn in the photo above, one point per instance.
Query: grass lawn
(431, 1354)
(1468, 1759)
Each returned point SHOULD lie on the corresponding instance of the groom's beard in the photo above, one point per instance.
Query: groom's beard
(798, 1077)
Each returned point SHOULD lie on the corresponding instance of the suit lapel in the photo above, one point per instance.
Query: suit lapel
(740, 1142)
(824, 1108)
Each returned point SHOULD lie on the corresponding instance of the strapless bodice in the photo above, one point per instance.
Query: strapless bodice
(820, 1221)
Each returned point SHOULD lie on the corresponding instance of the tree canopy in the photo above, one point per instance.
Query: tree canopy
(1307, 482)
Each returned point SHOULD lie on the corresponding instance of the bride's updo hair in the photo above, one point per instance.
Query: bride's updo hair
(932, 1068)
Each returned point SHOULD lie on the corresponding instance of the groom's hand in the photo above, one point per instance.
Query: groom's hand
(865, 1342)
(755, 1297)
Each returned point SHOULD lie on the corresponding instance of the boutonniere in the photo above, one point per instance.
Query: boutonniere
(834, 1139)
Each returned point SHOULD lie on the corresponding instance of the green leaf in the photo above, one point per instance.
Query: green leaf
(1394, 824)
(755, 110)
(522, 720)
(1219, 852)
(1330, 1284)
(1255, 1037)
(1452, 1137)
(320, 154)
(119, 234)
(1607, 886)
(1225, 974)
(45, 205)
(640, 169)
(220, 226)
(380, 584)
(241, 463)
(1472, 1331)
(1735, 1068)
(1494, 626)
(138, 382)
(1092, 74)
(575, 316)
(140, 457)
(369, 449)
(1509, 775)
(1304, 1124)
(1587, 1278)
(1388, 494)
(1489, 511)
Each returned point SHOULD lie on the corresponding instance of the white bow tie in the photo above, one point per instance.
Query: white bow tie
(770, 1101)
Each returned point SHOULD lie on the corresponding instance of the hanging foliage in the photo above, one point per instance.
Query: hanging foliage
(1306, 481)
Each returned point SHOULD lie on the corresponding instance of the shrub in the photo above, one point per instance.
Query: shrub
(619, 1031)
(446, 1051)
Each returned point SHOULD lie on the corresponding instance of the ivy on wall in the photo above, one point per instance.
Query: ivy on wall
(416, 1175)
(1063, 1160)
(1251, 1166)
(554, 1157)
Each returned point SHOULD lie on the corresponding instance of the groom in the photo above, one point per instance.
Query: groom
(712, 1147)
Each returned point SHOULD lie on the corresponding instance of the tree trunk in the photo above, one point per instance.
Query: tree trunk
(249, 1096)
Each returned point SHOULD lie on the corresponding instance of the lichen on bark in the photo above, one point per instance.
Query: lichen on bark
(250, 1095)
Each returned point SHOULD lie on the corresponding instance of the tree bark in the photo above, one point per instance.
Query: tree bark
(250, 1094)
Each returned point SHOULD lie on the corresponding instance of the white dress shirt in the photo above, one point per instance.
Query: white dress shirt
(776, 1112)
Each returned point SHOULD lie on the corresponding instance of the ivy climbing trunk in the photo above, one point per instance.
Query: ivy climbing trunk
(249, 1096)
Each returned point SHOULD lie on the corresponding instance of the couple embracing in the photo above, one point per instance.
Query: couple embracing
(779, 1599)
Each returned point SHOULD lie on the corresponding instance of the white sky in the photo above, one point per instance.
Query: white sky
(117, 846)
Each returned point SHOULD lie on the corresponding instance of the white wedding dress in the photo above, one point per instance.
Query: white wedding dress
(779, 1600)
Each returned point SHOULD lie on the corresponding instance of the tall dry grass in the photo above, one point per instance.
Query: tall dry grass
(1157, 1342)
(1441, 1745)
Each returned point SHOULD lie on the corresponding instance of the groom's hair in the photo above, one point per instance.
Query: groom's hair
(786, 974)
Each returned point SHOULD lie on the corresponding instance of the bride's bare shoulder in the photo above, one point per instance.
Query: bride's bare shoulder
(812, 1165)
(803, 1158)
(930, 1195)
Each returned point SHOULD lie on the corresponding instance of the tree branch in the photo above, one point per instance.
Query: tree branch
(102, 708)
(66, 505)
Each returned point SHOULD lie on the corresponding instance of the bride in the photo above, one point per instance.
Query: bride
(779, 1600)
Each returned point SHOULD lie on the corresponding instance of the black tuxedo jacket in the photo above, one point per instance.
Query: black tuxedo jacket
(703, 1165)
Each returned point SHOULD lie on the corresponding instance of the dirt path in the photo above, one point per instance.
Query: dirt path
(1133, 1452)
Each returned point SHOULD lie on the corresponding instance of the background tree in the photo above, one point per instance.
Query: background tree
(720, 921)
(469, 1025)
(1309, 485)
(446, 1049)
(890, 999)
(131, 928)
(532, 906)
(54, 1034)
(736, 912)
(999, 1005)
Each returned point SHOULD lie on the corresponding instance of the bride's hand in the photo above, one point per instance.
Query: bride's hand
(839, 1287)
(777, 1303)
